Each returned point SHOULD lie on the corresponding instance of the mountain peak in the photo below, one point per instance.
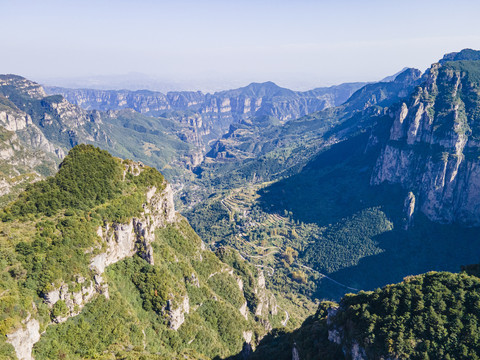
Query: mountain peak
(268, 88)
(267, 84)
(23, 85)
(408, 75)
(11, 77)
(465, 54)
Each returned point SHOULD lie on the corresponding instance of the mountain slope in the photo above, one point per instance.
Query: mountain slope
(317, 181)
(372, 193)
(26, 154)
(98, 252)
(430, 316)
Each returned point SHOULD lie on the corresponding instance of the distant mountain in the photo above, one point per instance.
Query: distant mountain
(52, 125)
(392, 77)
(376, 189)
(465, 54)
(214, 113)
(254, 137)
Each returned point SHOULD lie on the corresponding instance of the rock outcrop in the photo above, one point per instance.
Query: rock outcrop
(267, 304)
(24, 338)
(15, 120)
(433, 147)
(409, 209)
(25, 86)
(176, 316)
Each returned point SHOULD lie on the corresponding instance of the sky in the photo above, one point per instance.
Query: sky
(218, 44)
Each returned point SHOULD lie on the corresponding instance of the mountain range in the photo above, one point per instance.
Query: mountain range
(296, 197)
(212, 114)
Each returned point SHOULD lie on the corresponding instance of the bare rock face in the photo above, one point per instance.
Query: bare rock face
(24, 338)
(357, 352)
(19, 122)
(74, 301)
(295, 355)
(267, 303)
(120, 239)
(244, 310)
(433, 148)
(409, 208)
(25, 86)
(177, 315)
(334, 336)
(124, 240)
(14, 121)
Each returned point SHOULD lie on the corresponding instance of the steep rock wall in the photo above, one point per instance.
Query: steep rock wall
(433, 147)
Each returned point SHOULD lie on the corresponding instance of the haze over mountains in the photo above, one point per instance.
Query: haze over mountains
(214, 112)
(302, 196)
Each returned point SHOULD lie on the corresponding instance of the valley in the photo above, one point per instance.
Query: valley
(290, 202)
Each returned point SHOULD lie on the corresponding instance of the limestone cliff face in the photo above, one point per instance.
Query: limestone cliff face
(24, 338)
(24, 150)
(124, 240)
(205, 117)
(337, 334)
(18, 121)
(433, 146)
(25, 86)
(47, 123)
(267, 304)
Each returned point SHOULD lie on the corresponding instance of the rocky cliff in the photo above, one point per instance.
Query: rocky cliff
(26, 154)
(433, 146)
(52, 125)
(210, 115)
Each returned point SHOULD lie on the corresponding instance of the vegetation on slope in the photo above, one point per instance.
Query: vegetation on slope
(319, 203)
(48, 233)
(338, 223)
(48, 237)
(139, 293)
(429, 316)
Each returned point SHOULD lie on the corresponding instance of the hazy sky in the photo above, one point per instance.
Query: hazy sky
(297, 43)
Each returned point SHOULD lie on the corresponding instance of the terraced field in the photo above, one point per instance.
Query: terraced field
(273, 242)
